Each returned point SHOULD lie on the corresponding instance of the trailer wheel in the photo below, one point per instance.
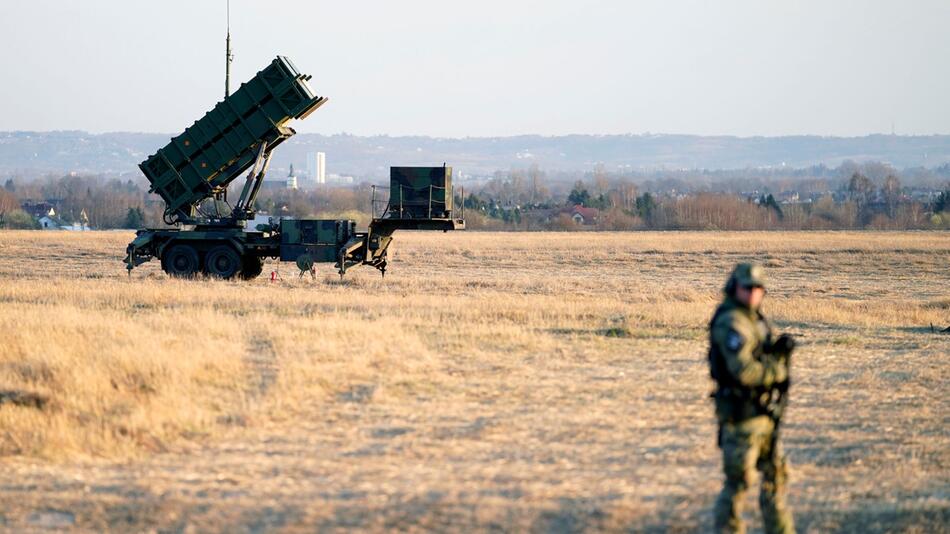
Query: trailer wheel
(222, 262)
(181, 261)
(251, 267)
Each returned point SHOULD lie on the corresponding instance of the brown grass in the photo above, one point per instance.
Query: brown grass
(515, 381)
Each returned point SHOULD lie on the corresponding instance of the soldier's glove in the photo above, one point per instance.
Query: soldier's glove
(784, 345)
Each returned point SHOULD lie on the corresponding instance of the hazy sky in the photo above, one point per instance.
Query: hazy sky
(489, 67)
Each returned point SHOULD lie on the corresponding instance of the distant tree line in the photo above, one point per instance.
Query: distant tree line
(852, 196)
(113, 203)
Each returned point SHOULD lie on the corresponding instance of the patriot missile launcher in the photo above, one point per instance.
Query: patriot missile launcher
(192, 173)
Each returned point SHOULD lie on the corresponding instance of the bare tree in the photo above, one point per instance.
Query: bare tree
(8, 203)
(601, 183)
(538, 190)
(627, 192)
(891, 191)
(877, 171)
(860, 188)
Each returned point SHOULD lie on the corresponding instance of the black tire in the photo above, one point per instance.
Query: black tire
(222, 262)
(181, 261)
(251, 267)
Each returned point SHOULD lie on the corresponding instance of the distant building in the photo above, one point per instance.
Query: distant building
(276, 184)
(317, 167)
(47, 222)
(291, 178)
(788, 197)
(339, 179)
(582, 215)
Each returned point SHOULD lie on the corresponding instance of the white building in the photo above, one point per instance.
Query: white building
(291, 178)
(340, 179)
(49, 223)
(317, 167)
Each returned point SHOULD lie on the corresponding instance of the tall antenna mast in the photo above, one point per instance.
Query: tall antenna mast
(228, 57)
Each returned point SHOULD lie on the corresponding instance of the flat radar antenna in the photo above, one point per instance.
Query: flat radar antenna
(228, 56)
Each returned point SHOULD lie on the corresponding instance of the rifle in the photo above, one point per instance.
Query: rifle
(782, 348)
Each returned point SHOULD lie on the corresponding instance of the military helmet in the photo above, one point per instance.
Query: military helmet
(747, 275)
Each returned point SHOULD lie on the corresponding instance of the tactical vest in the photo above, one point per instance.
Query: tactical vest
(717, 363)
(734, 401)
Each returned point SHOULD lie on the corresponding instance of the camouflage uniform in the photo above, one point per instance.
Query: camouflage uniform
(751, 374)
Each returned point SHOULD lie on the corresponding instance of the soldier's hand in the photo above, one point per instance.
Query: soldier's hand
(784, 345)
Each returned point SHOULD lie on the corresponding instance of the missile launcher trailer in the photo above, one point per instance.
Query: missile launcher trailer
(192, 173)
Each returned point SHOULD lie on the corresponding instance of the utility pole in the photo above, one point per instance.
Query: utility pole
(228, 57)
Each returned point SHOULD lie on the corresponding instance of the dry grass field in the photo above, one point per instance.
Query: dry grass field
(527, 382)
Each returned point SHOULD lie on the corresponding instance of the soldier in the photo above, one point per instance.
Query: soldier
(751, 374)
